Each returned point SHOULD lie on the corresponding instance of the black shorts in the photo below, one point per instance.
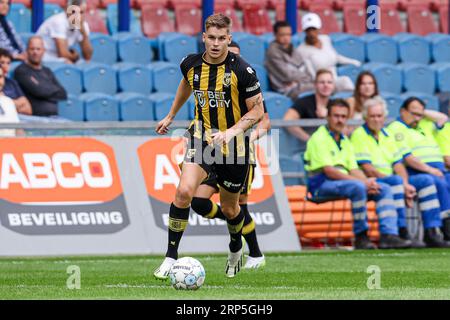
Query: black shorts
(229, 176)
(246, 188)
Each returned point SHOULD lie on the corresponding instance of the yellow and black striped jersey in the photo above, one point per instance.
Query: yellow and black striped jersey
(220, 91)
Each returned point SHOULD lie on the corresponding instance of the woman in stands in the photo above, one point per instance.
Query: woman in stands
(9, 39)
(319, 51)
(366, 88)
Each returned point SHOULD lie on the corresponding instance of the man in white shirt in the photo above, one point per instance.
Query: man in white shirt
(63, 30)
(318, 52)
(8, 112)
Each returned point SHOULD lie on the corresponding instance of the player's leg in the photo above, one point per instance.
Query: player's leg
(202, 204)
(231, 178)
(255, 258)
(191, 177)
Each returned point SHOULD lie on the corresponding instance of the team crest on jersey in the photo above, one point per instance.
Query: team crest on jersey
(190, 153)
(201, 100)
(226, 79)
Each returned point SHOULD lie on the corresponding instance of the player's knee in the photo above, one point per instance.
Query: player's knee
(230, 211)
(397, 180)
(385, 190)
(184, 195)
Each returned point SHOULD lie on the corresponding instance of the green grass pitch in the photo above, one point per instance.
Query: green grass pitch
(407, 274)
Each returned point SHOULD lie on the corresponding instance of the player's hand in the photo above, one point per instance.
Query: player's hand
(436, 172)
(222, 137)
(410, 193)
(163, 125)
(372, 186)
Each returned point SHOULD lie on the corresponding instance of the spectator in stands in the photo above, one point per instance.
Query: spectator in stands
(318, 51)
(333, 172)
(366, 87)
(287, 71)
(38, 82)
(378, 156)
(415, 132)
(312, 106)
(62, 31)
(443, 139)
(8, 112)
(12, 88)
(9, 39)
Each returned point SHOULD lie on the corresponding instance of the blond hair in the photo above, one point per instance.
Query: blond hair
(219, 21)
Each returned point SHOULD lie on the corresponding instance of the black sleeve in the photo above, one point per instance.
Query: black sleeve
(186, 65)
(61, 93)
(299, 107)
(248, 83)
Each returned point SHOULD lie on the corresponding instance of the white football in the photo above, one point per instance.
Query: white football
(187, 273)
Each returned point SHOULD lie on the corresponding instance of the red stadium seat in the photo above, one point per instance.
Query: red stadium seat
(228, 9)
(188, 19)
(420, 20)
(104, 3)
(155, 19)
(244, 3)
(139, 3)
(329, 21)
(443, 18)
(192, 3)
(61, 3)
(93, 3)
(281, 16)
(256, 20)
(355, 17)
(95, 21)
(390, 20)
(306, 4)
(25, 2)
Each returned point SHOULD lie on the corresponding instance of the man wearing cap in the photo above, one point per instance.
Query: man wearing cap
(287, 71)
(318, 52)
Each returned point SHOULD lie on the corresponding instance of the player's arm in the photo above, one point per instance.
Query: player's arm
(183, 92)
(63, 50)
(255, 113)
(262, 128)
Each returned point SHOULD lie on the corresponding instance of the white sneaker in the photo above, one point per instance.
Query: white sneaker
(255, 262)
(234, 263)
(162, 272)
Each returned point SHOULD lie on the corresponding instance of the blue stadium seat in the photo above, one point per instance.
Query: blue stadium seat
(394, 102)
(389, 77)
(173, 47)
(342, 95)
(98, 77)
(51, 9)
(70, 77)
(440, 47)
(113, 24)
(413, 48)
(133, 48)
(72, 108)
(351, 47)
(304, 94)
(350, 71)
(276, 104)
(20, 17)
(14, 65)
(288, 144)
(431, 101)
(380, 48)
(133, 77)
(100, 107)
(163, 102)
(262, 75)
(135, 107)
(166, 76)
(291, 165)
(418, 77)
(296, 39)
(25, 36)
(105, 48)
(252, 48)
(190, 104)
(442, 71)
